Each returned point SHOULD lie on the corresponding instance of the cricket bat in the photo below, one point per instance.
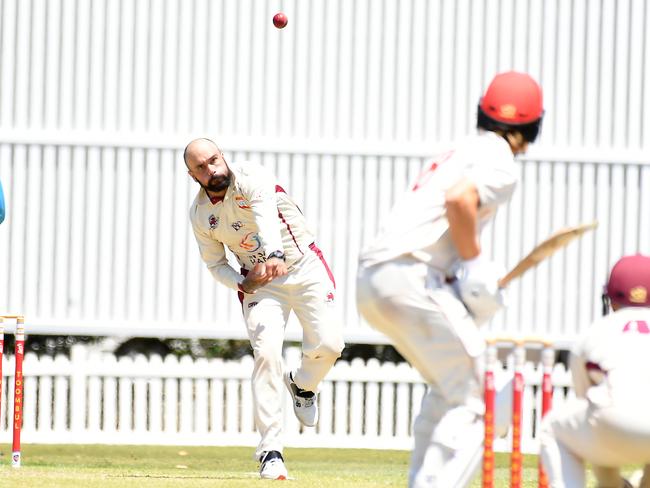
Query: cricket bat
(543, 250)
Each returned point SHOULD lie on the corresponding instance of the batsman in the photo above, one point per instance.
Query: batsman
(426, 284)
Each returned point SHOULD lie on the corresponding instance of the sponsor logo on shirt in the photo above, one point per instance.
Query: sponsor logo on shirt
(251, 242)
(252, 304)
(242, 202)
(213, 221)
(237, 225)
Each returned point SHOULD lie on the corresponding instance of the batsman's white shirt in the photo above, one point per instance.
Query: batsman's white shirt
(418, 226)
(255, 218)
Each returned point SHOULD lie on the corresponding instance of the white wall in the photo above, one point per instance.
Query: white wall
(98, 98)
(377, 70)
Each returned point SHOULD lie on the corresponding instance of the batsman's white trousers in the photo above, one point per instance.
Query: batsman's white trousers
(308, 290)
(579, 432)
(409, 302)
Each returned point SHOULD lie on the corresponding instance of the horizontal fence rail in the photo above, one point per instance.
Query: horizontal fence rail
(92, 398)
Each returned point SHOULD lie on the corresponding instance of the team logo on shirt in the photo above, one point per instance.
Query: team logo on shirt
(251, 242)
(213, 221)
(329, 299)
(242, 202)
(237, 225)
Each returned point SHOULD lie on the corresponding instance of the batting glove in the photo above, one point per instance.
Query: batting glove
(478, 288)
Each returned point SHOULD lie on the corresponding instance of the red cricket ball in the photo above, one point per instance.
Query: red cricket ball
(280, 20)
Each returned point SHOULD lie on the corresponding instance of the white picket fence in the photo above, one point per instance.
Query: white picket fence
(93, 398)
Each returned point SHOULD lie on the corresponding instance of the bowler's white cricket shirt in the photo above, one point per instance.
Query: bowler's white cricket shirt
(255, 218)
(611, 364)
(418, 225)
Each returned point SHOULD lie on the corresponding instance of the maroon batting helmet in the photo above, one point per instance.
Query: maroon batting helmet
(512, 101)
(629, 282)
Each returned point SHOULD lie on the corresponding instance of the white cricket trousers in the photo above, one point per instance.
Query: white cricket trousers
(409, 302)
(579, 432)
(309, 290)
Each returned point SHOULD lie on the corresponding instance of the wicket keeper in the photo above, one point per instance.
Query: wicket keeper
(608, 423)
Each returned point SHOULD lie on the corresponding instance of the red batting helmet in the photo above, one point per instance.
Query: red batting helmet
(513, 100)
(629, 282)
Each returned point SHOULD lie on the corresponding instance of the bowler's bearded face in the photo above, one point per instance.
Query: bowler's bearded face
(206, 164)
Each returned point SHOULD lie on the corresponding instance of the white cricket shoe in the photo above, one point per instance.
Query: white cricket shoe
(272, 467)
(304, 402)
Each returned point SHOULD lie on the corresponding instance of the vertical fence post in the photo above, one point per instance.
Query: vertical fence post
(109, 410)
(155, 411)
(387, 399)
(217, 400)
(45, 396)
(355, 408)
(125, 394)
(61, 401)
(77, 405)
(94, 398)
(247, 414)
(170, 397)
(141, 364)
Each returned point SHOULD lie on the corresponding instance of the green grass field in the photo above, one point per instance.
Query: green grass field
(93, 466)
